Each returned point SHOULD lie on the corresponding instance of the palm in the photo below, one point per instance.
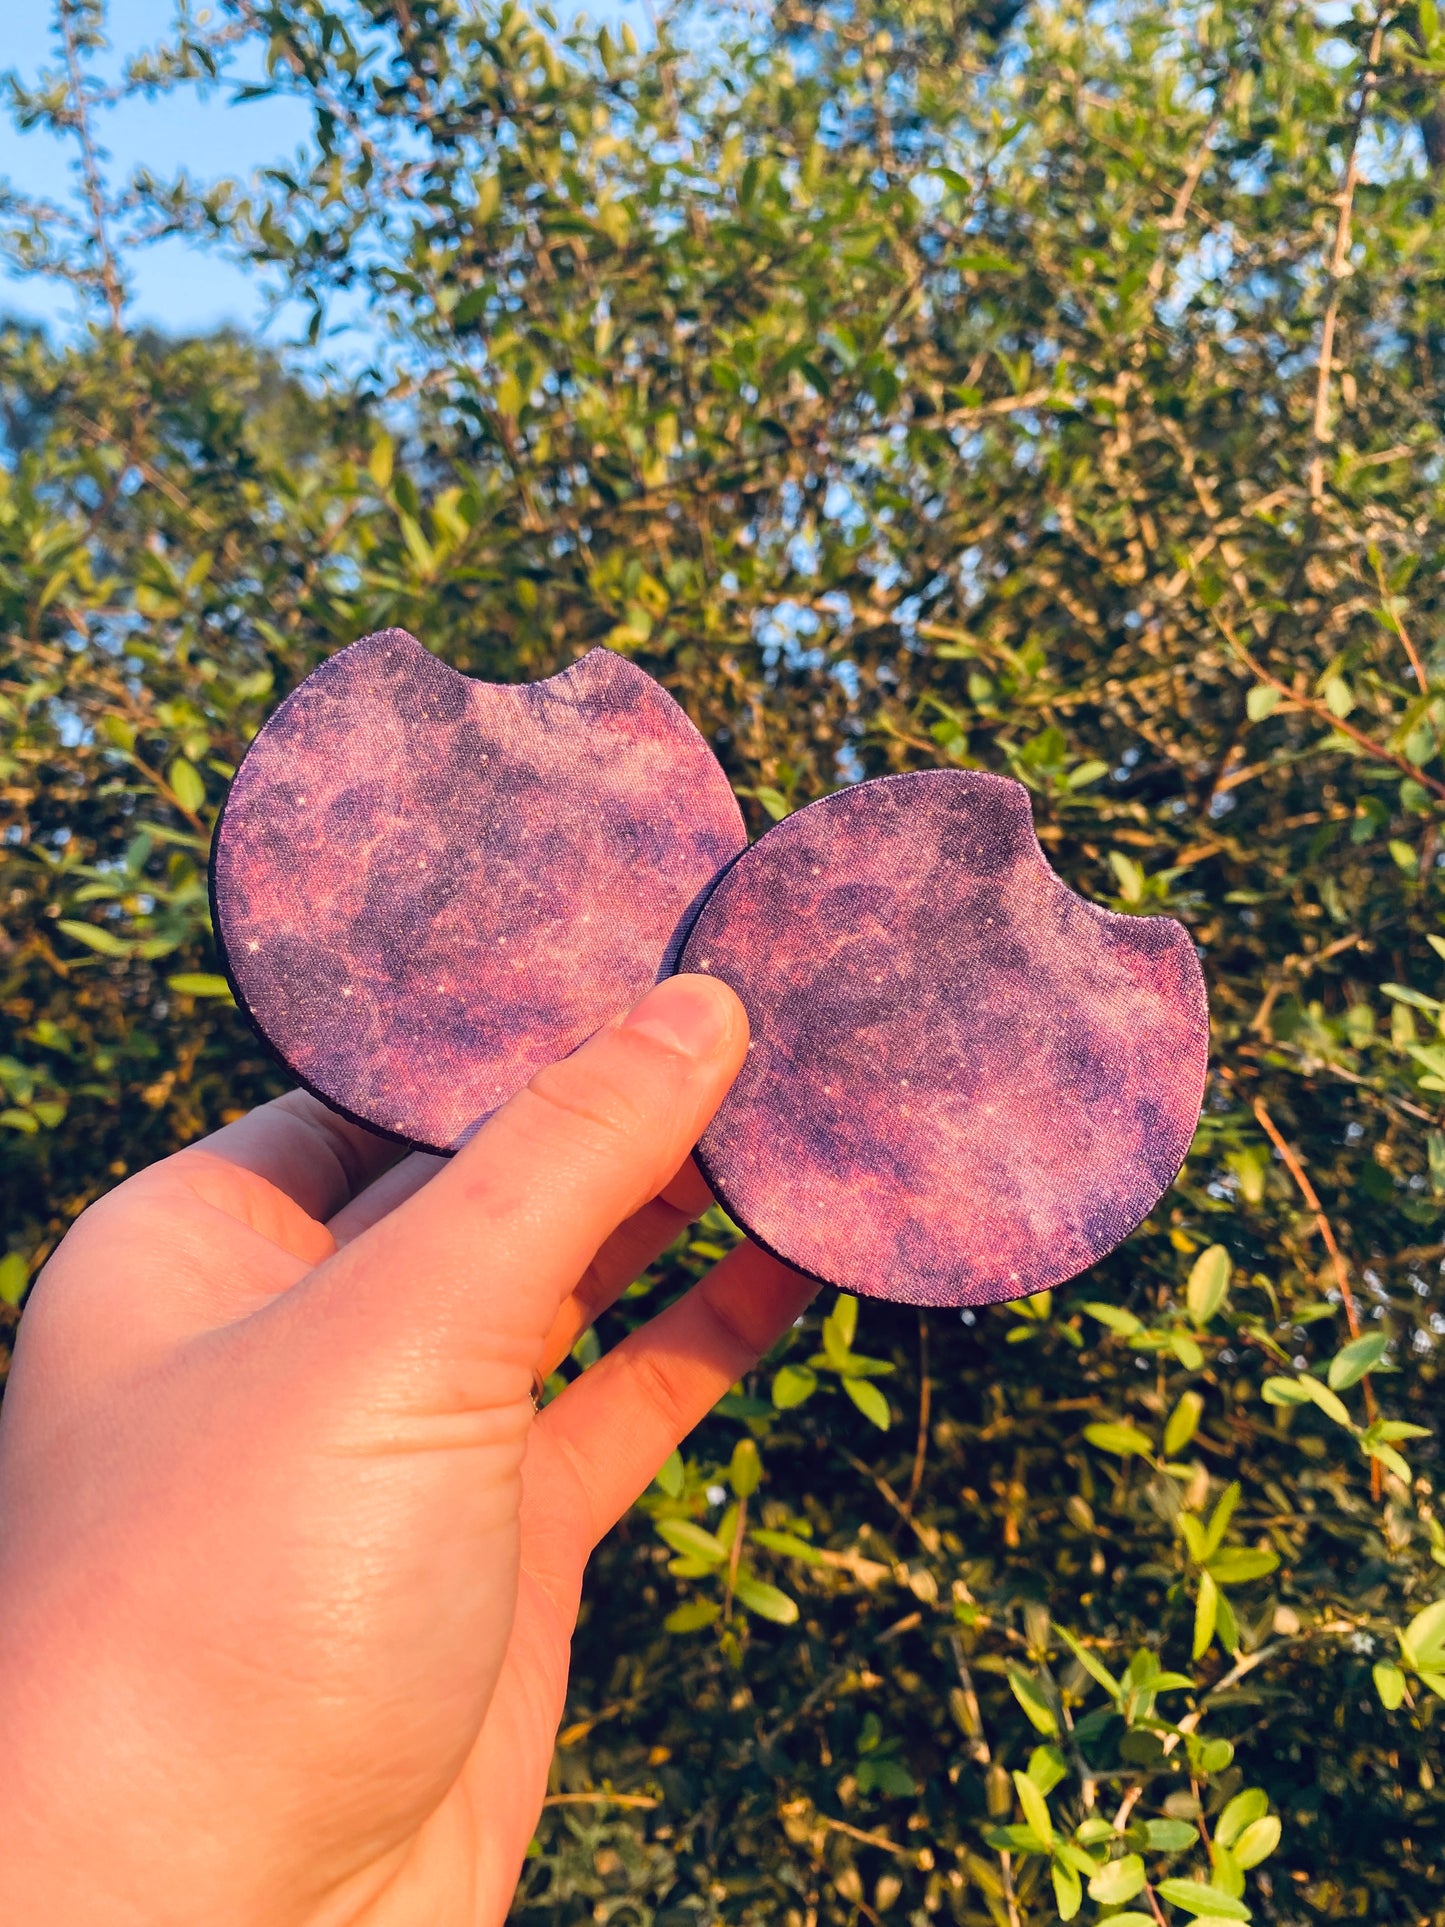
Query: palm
(383, 1542)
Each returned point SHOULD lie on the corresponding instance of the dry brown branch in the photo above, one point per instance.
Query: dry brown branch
(1339, 267)
(925, 1400)
(1337, 1258)
(643, 1800)
(1322, 711)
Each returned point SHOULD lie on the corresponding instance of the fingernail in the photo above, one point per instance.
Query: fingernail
(691, 1015)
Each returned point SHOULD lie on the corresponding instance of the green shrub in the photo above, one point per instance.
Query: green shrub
(1055, 391)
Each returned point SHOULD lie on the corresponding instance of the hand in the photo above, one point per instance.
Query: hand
(288, 1566)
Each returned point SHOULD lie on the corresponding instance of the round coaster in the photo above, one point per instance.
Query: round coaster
(426, 887)
(965, 1082)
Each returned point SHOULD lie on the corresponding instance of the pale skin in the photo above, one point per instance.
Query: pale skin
(289, 1566)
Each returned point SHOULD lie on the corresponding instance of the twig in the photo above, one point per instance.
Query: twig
(1387, 604)
(1346, 728)
(1342, 1270)
(645, 1800)
(983, 1756)
(1154, 1904)
(927, 1536)
(869, 1839)
(1193, 174)
(79, 115)
(925, 1400)
(735, 1557)
(1311, 1198)
(1339, 267)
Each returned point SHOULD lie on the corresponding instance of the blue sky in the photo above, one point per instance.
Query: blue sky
(177, 286)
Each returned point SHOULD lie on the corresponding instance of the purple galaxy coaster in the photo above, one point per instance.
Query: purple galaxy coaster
(426, 887)
(965, 1083)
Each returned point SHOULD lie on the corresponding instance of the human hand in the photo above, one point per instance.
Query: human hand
(288, 1565)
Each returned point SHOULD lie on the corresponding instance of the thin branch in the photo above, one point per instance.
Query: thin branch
(1321, 710)
(925, 1400)
(1311, 1198)
(111, 285)
(1193, 174)
(1342, 1270)
(983, 1756)
(878, 1840)
(1387, 605)
(1339, 266)
(644, 1800)
(735, 1557)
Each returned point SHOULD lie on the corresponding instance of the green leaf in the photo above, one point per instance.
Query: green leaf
(692, 1616)
(96, 938)
(765, 1600)
(870, 1401)
(1206, 1612)
(1242, 1811)
(1361, 1355)
(792, 1385)
(1123, 1440)
(840, 1328)
(379, 463)
(1170, 1836)
(1284, 1391)
(692, 1541)
(1228, 1874)
(774, 802)
(1208, 1284)
(1261, 701)
(1219, 1520)
(14, 1276)
(1239, 1564)
(1402, 994)
(1226, 1631)
(1047, 1767)
(1128, 875)
(671, 1476)
(200, 983)
(1036, 1808)
(1424, 1637)
(1116, 1318)
(788, 1544)
(745, 1469)
(1015, 1840)
(1326, 1400)
(188, 786)
(1031, 1697)
(1195, 1898)
(1183, 1424)
(1258, 1841)
(1068, 1888)
(1085, 773)
(1388, 1457)
(1091, 1663)
(1389, 1684)
(1120, 1880)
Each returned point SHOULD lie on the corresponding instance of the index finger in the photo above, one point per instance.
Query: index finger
(319, 1159)
(484, 1255)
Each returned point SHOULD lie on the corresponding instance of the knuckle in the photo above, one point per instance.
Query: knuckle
(585, 1103)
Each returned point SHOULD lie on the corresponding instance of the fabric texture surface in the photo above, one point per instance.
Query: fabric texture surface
(965, 1083)
(428, 887)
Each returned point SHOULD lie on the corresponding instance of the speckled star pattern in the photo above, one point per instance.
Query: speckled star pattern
(428, 887)
(965, 1082)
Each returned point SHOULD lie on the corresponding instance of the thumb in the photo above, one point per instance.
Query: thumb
(461, 1284)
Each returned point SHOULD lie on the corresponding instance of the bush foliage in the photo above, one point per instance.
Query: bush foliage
(906, 383)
